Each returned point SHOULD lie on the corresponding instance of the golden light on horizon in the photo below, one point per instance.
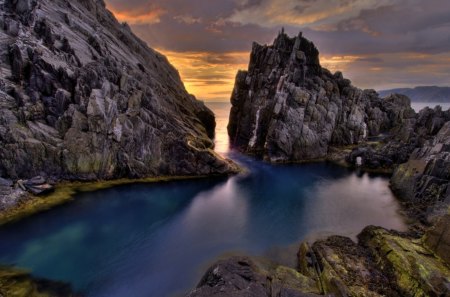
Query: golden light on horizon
(149, 17)
(337, 63)
(208, 76)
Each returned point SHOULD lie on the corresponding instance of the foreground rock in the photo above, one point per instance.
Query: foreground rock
(287, 108)
(382, 263)
(242, 276)
(14, 282)
(82, 98)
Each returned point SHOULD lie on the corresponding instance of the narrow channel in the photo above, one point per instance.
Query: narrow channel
(159, 238)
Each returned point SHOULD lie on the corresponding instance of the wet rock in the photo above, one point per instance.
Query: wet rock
(241, 276)
(415, 270)
(437, 238)
(37, 186)
(381, 263)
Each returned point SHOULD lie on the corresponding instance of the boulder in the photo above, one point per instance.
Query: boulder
(242, 276)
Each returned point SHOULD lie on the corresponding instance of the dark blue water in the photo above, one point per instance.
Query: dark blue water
(158, 239)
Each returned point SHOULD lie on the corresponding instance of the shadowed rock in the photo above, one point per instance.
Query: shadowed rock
(82, 98)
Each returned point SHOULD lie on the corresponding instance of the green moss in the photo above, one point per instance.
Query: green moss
(19, 283)
(415, 268)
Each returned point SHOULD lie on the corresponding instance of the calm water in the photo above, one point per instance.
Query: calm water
(158, 239)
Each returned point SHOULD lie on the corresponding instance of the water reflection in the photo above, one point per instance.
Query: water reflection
(221, 111)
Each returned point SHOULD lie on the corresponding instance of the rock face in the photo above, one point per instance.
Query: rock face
(423, 182)
(288, 108)
(82, 98)
(382, 263)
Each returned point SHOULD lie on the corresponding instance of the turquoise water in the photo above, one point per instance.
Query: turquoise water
(158, 239)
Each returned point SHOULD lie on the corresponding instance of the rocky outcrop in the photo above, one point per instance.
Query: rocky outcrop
(287, 108)
(14, 282)
(422, 183)
(382, 263)
(242, 276)
(82, 98)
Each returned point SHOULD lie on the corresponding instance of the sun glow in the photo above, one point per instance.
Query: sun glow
(209, 76)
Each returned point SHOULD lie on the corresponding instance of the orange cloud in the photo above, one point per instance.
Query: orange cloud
(149, 17)
(338, 63)
(209, 76)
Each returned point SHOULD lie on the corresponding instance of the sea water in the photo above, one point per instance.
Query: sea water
(158, 239)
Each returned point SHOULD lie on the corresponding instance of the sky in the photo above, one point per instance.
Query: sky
(378, 44)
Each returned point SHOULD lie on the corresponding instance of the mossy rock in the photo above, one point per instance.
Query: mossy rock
(19, 283)
(416, 270)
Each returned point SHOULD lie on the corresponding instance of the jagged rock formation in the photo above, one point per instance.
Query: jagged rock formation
(417, 152)
(286, 107)
(82, 98)
(382, 263)
(423, 182)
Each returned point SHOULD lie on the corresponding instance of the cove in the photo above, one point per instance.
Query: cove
(158, 239)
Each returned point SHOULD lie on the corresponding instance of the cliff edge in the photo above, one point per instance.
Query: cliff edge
(82, 98)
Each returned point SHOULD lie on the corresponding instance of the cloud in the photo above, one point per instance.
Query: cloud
(269, 13)
(210, 76)
(393, 70)
(187, 19)
(374, 42)
(133, 18)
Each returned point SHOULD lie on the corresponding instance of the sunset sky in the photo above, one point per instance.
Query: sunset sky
(376, 43)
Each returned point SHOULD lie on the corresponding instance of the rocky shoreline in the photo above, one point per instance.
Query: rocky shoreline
(84, 100)
(287, 108)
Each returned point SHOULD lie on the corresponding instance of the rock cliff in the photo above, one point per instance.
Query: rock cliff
(82, 98)
(287, 108)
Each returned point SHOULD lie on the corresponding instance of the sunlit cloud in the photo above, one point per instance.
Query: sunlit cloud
(385, 71)
(270, 13)
(375, 43)
(133, 18)
(209, 76)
